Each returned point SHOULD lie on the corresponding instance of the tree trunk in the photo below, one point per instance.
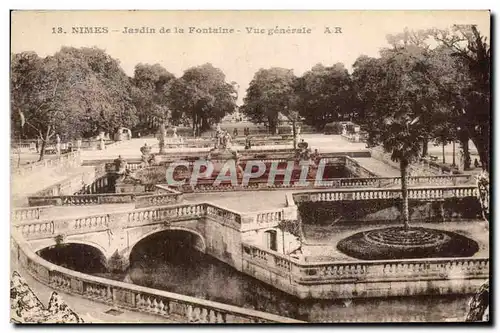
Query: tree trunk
(194, 125)
(405, 212)
(42, 150)
(272, 125)
(444, 159)
(483, 151)
(294, 134)
(481, 141)
(464, 143)
(425, 146)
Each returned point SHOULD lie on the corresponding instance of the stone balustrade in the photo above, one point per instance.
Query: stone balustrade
(175, 307)
(206, 186)
(27, 213)
(131, 165)
(92, 222)
(158, 199)
(427, 193)
(266, 219)
(223, 213)
(84, 199)
(34, 230)
(166, 213)
(270, 216)
(374, 271)
(69, 160)
(393, 270)
(31, 230)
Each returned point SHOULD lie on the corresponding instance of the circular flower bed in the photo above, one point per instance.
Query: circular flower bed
(401, 243)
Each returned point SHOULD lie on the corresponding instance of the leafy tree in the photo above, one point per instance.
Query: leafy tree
(75, 92)
(201, 96)
(270, 93)
(327, 95)
(149, 92)
(107, 96)
(395, 117)
(444, 129)
(49, 98)
(465, 80)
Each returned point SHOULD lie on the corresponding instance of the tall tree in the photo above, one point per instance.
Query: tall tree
(270, 93)
(396, 93)
(327, 95)
(107, 98)
(149, 93)
(470, 89)
(201, 96)
(75, 92)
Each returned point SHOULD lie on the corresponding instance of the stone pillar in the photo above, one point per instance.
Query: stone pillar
(117, 263)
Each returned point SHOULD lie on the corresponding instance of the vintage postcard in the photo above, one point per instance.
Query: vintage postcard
(250, 166)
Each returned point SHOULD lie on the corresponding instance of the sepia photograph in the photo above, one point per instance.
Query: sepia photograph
(250, 167)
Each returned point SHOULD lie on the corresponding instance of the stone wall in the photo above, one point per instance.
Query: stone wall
(389, 210)
(223, 240)
(360, 279)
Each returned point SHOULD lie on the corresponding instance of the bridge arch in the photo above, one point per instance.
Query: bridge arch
(46, 243)
(82, 256)
(199, 242)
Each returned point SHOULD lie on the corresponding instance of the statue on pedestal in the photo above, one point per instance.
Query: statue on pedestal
(102, 144)
(120, 165)
(226, 140)
(58, 144)
(162, 134)
(219, 137)
(174, 134)
(248, 142)
(344, 129)
(303, 152)
(461, 160)
(146, 154)
(222, 148)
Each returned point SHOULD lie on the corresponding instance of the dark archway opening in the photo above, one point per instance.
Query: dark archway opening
(78, 257)
(170, 245)
(272, 240)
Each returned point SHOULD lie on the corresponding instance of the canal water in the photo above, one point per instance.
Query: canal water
(166, 261)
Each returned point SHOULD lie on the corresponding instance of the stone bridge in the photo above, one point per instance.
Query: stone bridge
(217, 231)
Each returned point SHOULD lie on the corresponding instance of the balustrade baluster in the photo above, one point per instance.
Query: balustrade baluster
(204, 315)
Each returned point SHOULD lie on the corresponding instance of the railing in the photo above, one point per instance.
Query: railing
(131, 165)
(38, 229)
(271, 216)
(225, 214)
(168, 213)
(368, 271)
(428, 193)
(172, 306)
(203, 186)
(84, 199)
(159, 199)
(27, 213)
(66, 160)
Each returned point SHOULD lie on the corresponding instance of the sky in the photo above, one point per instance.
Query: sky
(238, 54)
